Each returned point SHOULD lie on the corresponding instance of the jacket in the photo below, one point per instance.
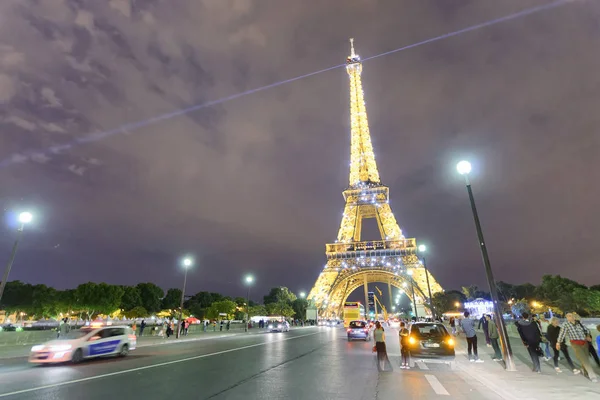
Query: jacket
(552, 334)
(493, 330)
(529, 332)
(598, 344)
(468, 326)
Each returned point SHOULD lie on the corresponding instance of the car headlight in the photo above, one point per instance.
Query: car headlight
(39, 347)
(60, 347)
(270, 326)
(450, 342)
(279, 326)
(412, 340)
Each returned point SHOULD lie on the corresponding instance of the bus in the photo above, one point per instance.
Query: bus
(353, 311)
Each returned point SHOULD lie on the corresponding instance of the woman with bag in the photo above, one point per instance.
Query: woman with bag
(383, 363)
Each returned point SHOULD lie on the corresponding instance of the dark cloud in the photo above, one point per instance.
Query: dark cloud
(254, 184)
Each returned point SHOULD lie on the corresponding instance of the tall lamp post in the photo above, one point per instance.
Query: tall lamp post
(24, 218)
(412, 287)
(422, 249)
(464, 168)
(249, 280)
(187, 263)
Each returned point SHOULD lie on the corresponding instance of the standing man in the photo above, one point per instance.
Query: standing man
(579, 336)
(494, 336)
(483, 322)
(468, 327)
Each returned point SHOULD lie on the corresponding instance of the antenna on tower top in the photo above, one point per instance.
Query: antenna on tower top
(352, 53)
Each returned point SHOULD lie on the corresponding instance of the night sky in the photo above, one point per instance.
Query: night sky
(254, 184)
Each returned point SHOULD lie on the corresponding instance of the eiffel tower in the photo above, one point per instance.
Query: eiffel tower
(352, 262)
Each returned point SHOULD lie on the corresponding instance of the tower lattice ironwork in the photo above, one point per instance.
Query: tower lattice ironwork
(351, 261)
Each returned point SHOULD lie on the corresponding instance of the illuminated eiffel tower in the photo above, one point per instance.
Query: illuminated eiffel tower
(352, 262)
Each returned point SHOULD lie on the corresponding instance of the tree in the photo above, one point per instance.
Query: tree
(446, 301)
(519, 307)
(137, 312)
(299, 306)
(172, 299)
(45, 301)
(280, 309)
(525, 291)
(100, 298)
(240, 301)
(595, 287)
(506, 291)
(221, 307)
(258, 309)
(18, 297)
(67, 301)
(469, 292)
(110, 297)
(557, 291)
(279, 294)
(88, 298)
(132, 298)
(151, 296)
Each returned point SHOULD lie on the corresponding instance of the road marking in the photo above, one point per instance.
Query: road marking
(91, 378)
(422, 365)
(436, 385)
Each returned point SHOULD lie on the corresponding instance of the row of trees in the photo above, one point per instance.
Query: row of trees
(554, 292)
(143, 300)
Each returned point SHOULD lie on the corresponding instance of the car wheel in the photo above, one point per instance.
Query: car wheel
(77, 356)
(124, 351)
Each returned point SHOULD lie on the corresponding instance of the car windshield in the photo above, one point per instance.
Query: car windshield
(428, 330)
(75, 334)
(357, 324)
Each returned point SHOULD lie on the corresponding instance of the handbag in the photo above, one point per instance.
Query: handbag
(374, 350)
(578, 342)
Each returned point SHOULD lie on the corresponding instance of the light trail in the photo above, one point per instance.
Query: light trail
(127, 128)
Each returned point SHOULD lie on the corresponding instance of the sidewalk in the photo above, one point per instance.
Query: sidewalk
(524, 384)
(22, 350)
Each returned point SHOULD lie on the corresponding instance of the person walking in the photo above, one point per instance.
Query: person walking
(468, 326)
(483, 323)
(552, 335)
(579, 337)
(532, 337)
(494, 336)
(544, 324)
(142, 326)
(590, 345)
(453, 325)
(404, 355)
(383, 362)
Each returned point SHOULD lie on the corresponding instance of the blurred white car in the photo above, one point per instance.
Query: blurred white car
(279, 327)
(88, 342)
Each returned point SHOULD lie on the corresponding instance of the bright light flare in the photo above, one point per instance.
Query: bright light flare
(25, 217)
(463, 167)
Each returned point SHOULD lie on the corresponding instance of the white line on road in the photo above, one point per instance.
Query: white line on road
(436, 385)
(91, 378)
(422, 365)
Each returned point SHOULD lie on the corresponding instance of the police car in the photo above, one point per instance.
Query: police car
(87, 342)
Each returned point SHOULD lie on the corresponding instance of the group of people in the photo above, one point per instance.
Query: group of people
(383, 362)
(536, 331)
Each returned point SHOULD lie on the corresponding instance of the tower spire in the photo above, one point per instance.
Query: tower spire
(363, 169)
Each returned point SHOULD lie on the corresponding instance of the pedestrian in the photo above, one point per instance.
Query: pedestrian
(552, 335)
(598, 339)
(182, 328)
(453, 325)
(221, 326)
(404, 354)
(228, 324)
(483, 323)
(544, 324)
(531, 336)
(383, 363)
(494, 336)
(204, 325)
(64, 328)
(468, 326)
(579, 337)
(186, 327)
(142, 326)
(590, 345)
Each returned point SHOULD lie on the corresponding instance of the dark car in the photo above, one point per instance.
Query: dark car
(358, 330)
(430, 341)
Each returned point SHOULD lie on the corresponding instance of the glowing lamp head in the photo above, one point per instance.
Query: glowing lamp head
(463, 167)
(422, 248)
(25, 217)
(302, 295)
(187, 262)
(249, 279)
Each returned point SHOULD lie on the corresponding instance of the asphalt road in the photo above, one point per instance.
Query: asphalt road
(310, 363)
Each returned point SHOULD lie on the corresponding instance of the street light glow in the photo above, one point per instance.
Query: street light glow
(249, 279)
(422, 248)
(302, 295)
(187, 262)
(25, 217)
(463, 167)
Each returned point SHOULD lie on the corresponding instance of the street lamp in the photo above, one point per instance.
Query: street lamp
(412, 286)
(302, 295)
(186, 263)
(422, 249)
(249, 280)
(464, 168)
(24, 218)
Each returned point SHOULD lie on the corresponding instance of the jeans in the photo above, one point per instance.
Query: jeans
(496, 347)
(565, 352)
(547, 347)
(535, 358)
(472, 346)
